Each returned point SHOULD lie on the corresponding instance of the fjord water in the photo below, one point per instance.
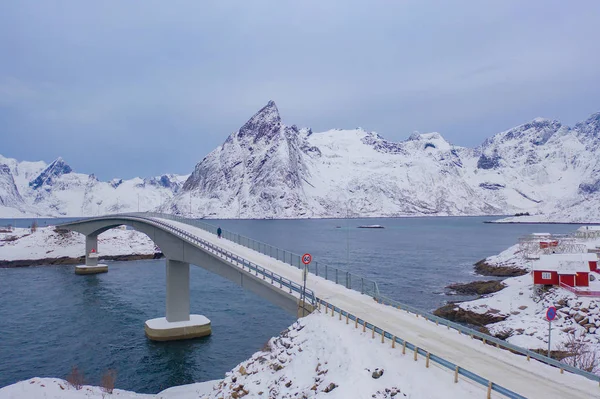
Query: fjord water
(52, 319)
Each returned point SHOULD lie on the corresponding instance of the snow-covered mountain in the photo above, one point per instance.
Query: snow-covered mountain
(271, 170)
(38, 189)
(268, 169)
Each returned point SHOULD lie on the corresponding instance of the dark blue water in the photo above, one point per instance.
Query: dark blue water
(25, 223)
(52, 319)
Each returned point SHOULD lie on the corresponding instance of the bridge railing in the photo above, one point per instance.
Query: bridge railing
(243, 263)
(369, 286)
(487, 339)
(339, 276)
(266, 274)
(491, 386)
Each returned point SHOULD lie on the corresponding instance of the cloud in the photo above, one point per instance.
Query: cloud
(177, 78)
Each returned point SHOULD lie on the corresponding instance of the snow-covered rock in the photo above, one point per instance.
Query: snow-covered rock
(46, 243)
(9, 194)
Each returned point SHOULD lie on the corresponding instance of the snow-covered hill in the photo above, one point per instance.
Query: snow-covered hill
(271, 170)
(38, 189)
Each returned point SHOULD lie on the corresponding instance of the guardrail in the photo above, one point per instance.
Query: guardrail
(491, 386)
(488, 339)
(580, 292)
(339, 276)
(378, 297)
(231, 257)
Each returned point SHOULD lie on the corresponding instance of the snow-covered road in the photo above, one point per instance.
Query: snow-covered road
(529, 378)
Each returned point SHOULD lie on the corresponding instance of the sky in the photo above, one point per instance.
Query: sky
(126, 88)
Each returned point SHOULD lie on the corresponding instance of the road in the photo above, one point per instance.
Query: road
(532, 379)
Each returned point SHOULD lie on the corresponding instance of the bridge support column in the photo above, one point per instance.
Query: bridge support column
(91, 258)
(178, 323)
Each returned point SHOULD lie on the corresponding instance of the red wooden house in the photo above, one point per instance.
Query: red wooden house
(569, 269)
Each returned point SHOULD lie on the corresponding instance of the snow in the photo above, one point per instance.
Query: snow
(511, 371)
(268, 169)
(161, 323)
(541, 167)
(303, 361)
(525, 310)
(319, 350)
(589, 228)
(22, 244)
(55, 190)
(567, 263)
(55, 388)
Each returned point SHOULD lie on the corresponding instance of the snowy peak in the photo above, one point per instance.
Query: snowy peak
(56, 169)
(588, 131)
(536, 132)
(9, 195)
(432, 140)
(265, 123)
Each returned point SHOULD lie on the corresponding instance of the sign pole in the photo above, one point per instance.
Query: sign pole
(549, 335)
(305, 272)
(550, 315)
(306, 259)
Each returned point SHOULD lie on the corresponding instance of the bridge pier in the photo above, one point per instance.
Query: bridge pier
(178, 323)
(91, 258)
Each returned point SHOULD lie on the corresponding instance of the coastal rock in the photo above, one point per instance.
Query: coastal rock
(454, 313)
(477, 287)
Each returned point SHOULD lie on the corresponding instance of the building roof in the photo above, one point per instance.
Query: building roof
(565, 263)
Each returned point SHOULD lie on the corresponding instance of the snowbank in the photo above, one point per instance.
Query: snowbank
(55, 388)
(47, 243)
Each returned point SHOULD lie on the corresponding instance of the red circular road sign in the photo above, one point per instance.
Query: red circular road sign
(306, 258)
(551, 313)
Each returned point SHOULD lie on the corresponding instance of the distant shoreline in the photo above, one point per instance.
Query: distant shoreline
(568, 223)
(66, 261)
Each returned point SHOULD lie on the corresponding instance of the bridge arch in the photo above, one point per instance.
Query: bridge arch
(180, 252)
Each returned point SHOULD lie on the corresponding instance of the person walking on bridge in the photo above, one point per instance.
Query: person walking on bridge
(219, 231)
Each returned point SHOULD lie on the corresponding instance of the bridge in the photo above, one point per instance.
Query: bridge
(277, 275)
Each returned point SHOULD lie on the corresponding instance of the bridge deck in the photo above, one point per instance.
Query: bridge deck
(529, 378)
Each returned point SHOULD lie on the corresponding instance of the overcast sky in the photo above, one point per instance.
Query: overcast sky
(129, 88)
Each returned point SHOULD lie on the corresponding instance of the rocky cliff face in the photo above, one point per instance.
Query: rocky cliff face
(258, 172)
(9, 194)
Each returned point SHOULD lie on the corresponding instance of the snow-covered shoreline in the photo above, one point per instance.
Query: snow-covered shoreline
(518, 311)
(48, 245)
(545, 219)
(317, 357)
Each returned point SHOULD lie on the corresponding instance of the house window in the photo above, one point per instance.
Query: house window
(546, 275)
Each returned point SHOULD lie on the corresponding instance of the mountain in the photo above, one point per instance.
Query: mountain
(11, 202)
(268, 169)
(39, 189)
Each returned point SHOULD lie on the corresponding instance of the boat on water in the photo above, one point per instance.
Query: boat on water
(371, 226)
